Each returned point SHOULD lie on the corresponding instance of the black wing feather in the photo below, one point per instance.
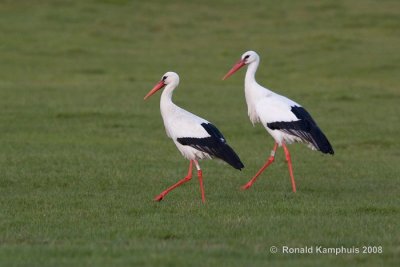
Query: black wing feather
(215, 145)
(305, 128)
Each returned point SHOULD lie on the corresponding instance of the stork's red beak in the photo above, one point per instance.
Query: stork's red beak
(157, 87)
(235, 68)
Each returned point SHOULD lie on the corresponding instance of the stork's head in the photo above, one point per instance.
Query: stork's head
(169, 78)
(247, 58)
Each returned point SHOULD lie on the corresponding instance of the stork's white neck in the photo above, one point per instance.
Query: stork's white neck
(166, 96)
(250, 83)
(166, 104)
(253, 91)
(251, 72)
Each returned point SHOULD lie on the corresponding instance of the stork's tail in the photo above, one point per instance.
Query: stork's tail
(320, 141)
(227, 154)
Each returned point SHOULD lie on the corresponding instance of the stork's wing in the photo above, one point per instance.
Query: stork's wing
(305, 128)
(215, 145)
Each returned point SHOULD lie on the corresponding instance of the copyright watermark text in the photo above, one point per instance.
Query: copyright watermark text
(327, 250)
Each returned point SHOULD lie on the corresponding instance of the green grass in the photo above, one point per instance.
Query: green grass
(82, 155)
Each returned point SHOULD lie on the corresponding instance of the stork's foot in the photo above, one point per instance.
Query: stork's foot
(246, 186)
(159, 197)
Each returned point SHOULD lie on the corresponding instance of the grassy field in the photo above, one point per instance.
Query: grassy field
(82, 155)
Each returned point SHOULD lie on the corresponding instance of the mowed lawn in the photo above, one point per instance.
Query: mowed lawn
(82, 155)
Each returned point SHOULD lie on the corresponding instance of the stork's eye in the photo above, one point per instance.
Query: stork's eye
(246, 57)
(164, 78)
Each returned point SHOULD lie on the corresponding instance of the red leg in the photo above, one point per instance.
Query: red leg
(269, 161)
(200, 175)
(184, 180)
(289, 161)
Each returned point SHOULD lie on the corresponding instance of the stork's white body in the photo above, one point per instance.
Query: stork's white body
(265, 106)
(181, 123)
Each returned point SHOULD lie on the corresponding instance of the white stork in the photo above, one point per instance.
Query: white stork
(283, 118)
(194, 137)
